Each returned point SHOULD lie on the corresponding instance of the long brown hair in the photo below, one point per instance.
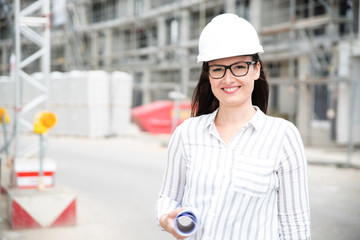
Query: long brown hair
(204, 101)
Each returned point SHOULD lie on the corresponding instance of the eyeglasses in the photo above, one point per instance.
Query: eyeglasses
(238, 69)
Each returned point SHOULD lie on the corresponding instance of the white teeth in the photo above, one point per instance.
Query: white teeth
(230, 89)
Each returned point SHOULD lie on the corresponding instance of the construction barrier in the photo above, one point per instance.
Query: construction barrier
(30, 208)
(26, 173)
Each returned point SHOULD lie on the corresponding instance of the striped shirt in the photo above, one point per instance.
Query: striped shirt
(254, 187)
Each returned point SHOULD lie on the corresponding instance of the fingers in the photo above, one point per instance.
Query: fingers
(175, 212)
(171, 217)
(167, 222)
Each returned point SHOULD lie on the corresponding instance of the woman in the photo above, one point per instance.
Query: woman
(244, 172)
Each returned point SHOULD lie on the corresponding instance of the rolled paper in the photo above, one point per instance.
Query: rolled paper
(186, 223)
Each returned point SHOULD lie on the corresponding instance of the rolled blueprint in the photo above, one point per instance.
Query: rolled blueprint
(186, 223)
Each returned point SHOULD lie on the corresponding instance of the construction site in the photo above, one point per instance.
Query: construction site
(83, 66)
(311, 57)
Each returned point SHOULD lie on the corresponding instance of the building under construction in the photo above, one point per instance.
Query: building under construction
(312, 52)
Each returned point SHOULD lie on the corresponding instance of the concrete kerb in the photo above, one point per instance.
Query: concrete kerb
(336, 156)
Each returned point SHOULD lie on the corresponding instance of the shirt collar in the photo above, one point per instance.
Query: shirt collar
(211, 118)
(256, 120)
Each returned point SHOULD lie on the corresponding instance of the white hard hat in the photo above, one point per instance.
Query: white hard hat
(228, 35)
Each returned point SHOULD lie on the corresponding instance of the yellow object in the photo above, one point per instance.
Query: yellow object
(43, 121)
(4, 113)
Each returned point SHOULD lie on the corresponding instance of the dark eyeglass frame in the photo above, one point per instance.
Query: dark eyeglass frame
(229, 67)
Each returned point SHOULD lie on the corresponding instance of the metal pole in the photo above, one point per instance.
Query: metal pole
(5, 136)
(175, 117)
(17, 76)
(176, 96)
(41, 185)
(111, 130)
(352, 96)
(46, 64)
(41, 169)
(358, 14)
(46, 58)
(291, 59)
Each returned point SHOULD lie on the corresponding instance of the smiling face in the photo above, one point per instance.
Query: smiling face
(232, 91)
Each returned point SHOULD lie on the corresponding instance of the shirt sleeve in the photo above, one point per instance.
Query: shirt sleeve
(293, 197)
(172, 189)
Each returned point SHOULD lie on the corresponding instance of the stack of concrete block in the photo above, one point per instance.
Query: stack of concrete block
(121, 91)
(6, 100)
(59, 92)
(7, 87)
(83, 103)
(79, 101)
(6, 90)
(86, 103)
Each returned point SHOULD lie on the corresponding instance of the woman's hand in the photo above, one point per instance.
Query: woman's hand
(167, 222)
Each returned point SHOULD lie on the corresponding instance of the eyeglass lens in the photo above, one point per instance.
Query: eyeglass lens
(237, 69)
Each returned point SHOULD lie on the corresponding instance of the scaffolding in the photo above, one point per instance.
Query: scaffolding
(32, 23)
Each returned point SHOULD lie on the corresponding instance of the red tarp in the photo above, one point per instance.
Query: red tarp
(157, 117)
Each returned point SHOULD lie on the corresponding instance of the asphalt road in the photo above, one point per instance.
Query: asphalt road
(117, 181)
